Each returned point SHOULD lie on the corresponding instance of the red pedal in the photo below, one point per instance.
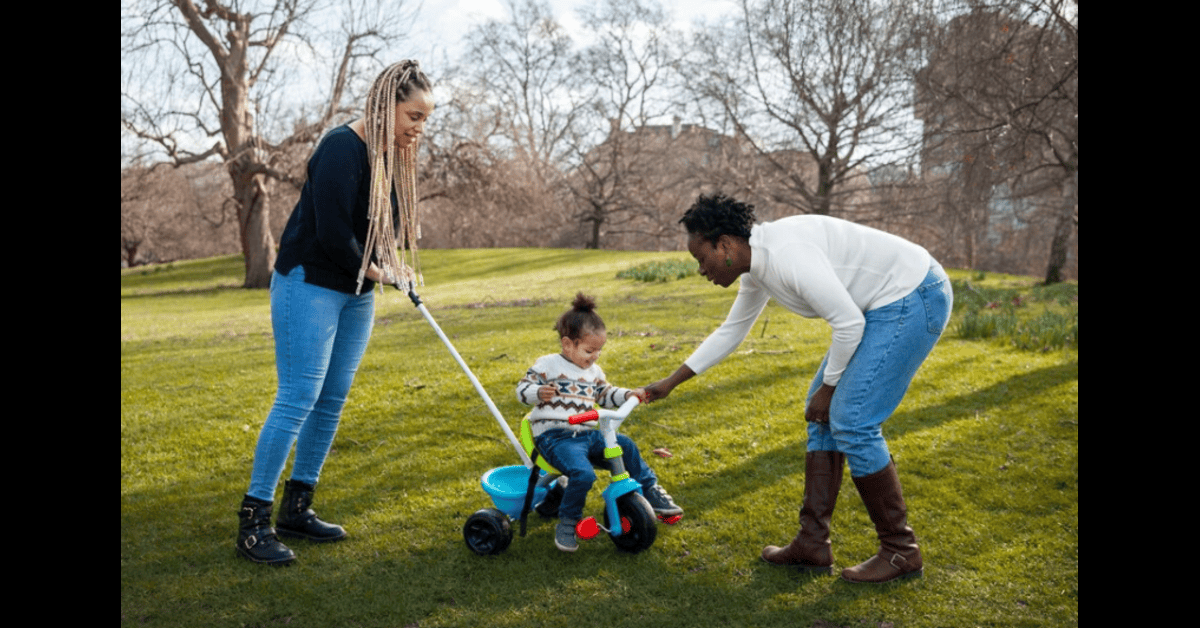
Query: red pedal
(587, 528)
(671, 520)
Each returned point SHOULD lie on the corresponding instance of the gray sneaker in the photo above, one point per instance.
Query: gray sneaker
(661, 502)
(564, 537)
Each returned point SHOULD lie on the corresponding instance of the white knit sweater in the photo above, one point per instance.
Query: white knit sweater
(578, 390)
(818, 266)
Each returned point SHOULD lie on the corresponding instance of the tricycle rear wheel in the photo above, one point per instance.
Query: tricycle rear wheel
(487, 531)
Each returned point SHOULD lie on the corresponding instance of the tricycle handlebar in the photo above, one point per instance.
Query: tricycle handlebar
(619, 413)
(590, 415)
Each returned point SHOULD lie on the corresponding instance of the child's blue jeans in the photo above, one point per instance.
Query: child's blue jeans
(320, 338)
(897, 339)
(575, 454)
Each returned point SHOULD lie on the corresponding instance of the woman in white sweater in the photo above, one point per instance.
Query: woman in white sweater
(887, 302)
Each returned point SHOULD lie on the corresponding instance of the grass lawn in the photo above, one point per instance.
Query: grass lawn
(986, 444)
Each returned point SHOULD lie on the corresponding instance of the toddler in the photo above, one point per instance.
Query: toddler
(562, 384)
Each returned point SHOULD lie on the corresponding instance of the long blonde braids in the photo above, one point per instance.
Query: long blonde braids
(392, 168)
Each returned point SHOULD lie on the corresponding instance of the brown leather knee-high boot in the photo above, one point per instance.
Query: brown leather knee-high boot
(899, 556)
(811, 549)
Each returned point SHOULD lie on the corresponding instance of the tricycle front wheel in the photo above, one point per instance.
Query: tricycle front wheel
(638, 524)
(487, 531)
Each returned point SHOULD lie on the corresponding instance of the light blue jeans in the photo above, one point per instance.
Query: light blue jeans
(897, 339)
(575, 454)
(320, 338)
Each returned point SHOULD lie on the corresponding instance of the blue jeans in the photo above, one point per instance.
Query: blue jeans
(575, 453)
(897, 339)
(320, 338)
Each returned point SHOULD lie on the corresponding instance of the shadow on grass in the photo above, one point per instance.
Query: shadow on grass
(190, 292)
(405, 562)
(179, 568)
(1008, 392)
(390, 573)
(765, 468)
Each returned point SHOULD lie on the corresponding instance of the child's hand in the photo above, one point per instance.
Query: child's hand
(546, 393)
(640, 393)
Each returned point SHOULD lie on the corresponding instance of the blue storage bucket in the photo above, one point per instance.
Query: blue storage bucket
(507, 486)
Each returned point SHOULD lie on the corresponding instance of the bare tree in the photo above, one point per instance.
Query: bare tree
(484, 200)
(195, 72)
(1000, 99)
(175, 213)
(137, 221)
(617, 183)
(825, 80)
(474, 193)
(523, 67)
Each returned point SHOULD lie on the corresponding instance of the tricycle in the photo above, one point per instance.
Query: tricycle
(535, 485)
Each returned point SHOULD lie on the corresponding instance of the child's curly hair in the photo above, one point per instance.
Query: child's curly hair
(580, 320)
(715, 215)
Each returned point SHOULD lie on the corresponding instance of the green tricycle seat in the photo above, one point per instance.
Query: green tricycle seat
(530, 447)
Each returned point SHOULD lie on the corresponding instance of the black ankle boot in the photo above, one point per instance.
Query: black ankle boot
(256, 539)
(297, 520)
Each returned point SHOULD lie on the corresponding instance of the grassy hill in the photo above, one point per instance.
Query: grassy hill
(986, 443)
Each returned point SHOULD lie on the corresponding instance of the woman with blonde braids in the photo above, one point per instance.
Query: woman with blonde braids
(339, 243)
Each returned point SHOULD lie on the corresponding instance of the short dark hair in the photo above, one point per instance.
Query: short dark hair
(715, 215)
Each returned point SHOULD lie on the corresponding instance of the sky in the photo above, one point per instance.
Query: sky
(439, 29)
(442, 24)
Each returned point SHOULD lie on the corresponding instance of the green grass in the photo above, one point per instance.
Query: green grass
(986, 443)
(660, 270)
(1030, 317)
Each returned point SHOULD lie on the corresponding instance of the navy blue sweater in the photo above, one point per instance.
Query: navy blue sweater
(327, 230)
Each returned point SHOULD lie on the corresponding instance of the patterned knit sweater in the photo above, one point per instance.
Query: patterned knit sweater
(578, 390)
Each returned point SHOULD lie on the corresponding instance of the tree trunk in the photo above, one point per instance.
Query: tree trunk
(594, 243)
(254, 220)
(971, 247)
(1062, 235)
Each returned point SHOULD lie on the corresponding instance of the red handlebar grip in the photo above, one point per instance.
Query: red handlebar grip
(590, 415)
